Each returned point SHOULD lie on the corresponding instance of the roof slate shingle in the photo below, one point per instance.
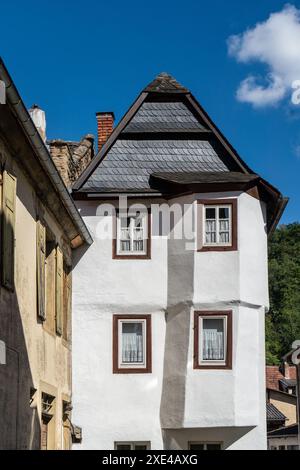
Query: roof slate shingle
(165, 83)
(164, 117)
(129, 163)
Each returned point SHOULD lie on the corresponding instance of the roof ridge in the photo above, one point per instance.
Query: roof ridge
(165, 83)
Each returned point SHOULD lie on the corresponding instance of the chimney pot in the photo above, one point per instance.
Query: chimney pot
(39, 119)
(105, 125)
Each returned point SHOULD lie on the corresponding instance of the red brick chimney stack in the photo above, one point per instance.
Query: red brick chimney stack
(105, 125)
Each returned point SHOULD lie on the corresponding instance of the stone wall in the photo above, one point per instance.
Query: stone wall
(71, 158)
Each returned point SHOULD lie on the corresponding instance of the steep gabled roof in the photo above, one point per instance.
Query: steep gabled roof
(165, 123)
(165, 130)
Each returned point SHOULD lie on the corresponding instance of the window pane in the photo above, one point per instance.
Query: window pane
(213, 446)
(124, 234)
(138, 234)
(196, 446)
(140, 447)
(223, 212)
(138, 220)
(125, 222)
(132, 342)
(213, 339)
(224, 231)
(123, 447)
(210, 213)
(210, 231)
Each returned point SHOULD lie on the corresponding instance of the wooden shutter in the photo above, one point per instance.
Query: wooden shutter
(8, 230)
(40, 268)
(59, 290)
(67, 302)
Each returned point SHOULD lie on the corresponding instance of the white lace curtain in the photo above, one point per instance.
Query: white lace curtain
(213, 341)
(211, 233)
(132, 342)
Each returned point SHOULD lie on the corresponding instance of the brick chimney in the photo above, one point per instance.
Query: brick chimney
(105, 125)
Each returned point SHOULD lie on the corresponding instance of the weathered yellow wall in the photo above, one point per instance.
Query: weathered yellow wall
(35, 358)
(286, 404)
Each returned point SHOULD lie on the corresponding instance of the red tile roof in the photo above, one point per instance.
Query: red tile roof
(273, 375)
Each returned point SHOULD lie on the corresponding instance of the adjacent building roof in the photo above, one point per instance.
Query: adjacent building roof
(17, 125)
(166, 130)
(274, 375)
(288, 382)
(285, 431)
(273, 414)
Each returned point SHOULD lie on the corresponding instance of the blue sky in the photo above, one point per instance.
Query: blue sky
(74, 58)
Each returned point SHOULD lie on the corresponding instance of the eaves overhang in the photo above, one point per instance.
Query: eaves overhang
(79, 234)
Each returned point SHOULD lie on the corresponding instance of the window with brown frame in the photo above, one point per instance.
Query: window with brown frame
(217, 225)
(213, 340)
(132, 349)
(127, 445)
(205, 446)
(132, 235)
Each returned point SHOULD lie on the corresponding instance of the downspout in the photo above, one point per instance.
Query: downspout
(42, 152)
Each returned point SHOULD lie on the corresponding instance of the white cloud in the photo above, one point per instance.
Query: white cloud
(297, 150)
(276, 44)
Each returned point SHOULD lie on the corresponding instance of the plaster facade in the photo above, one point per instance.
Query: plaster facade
(36, 361)
(175, 404)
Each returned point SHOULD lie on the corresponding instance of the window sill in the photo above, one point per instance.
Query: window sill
(212, 367)
(135, 256)
(218, 248)
(120, 370)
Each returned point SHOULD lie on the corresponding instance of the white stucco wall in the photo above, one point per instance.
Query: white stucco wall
(188, 404)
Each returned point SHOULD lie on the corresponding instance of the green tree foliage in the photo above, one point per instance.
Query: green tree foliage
(283, 320)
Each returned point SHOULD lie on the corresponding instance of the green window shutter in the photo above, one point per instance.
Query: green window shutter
(59, 290)
(40, 269)
(8, 230)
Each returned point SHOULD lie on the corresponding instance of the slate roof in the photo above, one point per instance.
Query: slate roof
(165, 83)
(129, 163)
(273, 414)
(291, 430)
(288, 382)
(166, 130)
(164, 117)
(196, 177)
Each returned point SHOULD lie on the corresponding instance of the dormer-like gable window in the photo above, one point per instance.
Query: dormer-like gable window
(132, 235)
(218, 225)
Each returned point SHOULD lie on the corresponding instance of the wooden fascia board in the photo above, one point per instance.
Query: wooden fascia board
(221, 138)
